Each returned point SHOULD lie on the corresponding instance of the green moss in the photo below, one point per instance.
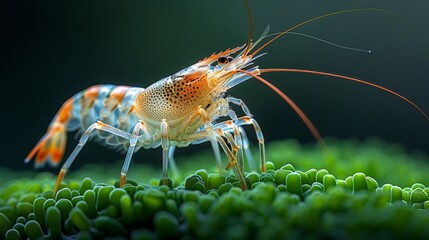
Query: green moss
(303, 200)
(53, 222)
(359, 182)
(12, 234)
(33, 229)
(166, 225)
(214, 181)
(80, 220)
(279, 176)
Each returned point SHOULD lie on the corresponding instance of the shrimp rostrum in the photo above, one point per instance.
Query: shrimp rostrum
(188, 107)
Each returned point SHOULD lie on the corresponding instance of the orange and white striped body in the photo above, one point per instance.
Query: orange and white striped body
(107, 103)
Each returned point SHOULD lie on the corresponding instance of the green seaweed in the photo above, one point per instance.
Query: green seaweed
(294, 200)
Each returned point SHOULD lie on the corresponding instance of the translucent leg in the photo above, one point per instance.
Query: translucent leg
(165, 144)
(232, 115)
(211, 136)
(241, 103)
(246, 120)
(245, 145)
(231, 156)
(229, 126)
(140, 126)
(82, 141)
(172, 162)
(239, 141)
(233, 148)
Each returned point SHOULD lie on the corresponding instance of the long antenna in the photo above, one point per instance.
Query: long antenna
(331, 43)
(419, 38)
(249, 39)
(347, 78)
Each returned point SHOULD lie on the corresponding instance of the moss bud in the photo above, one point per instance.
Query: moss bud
(115, 197)
(341, 183)
(12, 234)
(417, 185)
(191, 181)
(371, 183)
(20, 227)
(317, 187)
(289, 167)
(103, 197)
(203, 174)
(86, 185)
(63, 193)
(39, 210)
(406, 194)
(214, 181)
(110, 226)
(329, 181)
(253, 177)
(154, 200)
(395, 194)
(189, 212)
(5, 224)
(280, 176)
(33, 229)
(65, 206)
(199, 186)
(53, 222)
(224, 188)
(294, 184)
(76, 200)
(418, 195)
(267, 177)
(89, 198)
(126, 209)
(24, 208)
(270, 166)
(80, 220)
(349, 182)
(166, 225)
(359, 182)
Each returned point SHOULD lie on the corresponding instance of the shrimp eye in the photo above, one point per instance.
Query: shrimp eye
(224, 60)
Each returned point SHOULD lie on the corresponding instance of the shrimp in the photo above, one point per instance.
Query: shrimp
(187, 107)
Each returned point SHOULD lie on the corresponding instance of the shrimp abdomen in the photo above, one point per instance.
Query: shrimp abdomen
(108, 103)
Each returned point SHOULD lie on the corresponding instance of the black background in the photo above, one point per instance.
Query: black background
(52, 50)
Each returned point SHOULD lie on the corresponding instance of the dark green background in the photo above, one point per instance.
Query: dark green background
(54, 49)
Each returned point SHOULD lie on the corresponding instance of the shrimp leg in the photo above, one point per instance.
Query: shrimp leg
(233, 116)
(247, 120)
(140, 126)
(82, 141)
(172, 162)
(229, 126)
(240, 103)
(231, 155)
(165, 144)
(247, 153)
(208, 126)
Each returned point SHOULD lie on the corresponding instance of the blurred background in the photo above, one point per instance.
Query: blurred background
(52, 50)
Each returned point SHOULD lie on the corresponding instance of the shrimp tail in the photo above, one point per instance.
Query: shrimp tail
(50, 148)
